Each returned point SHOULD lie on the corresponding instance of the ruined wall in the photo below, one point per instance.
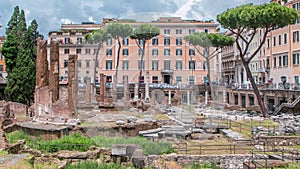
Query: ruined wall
(230, 161)
(54, 70)
(71, 83)
(42, 73)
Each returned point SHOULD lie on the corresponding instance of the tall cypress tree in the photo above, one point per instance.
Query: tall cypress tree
(19, 50)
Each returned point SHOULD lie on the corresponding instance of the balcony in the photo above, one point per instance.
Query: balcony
(166, 72)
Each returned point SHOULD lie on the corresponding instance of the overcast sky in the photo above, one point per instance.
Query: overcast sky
(50, 14)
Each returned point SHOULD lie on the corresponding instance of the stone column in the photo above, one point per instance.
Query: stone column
(147, 97)
(88, 90)
(169, 99)
(125, 82)
(71, 80)
(102, 87)
(42, 75)
(206, 97)
(188, 97)
(54, 70)
(136, 91)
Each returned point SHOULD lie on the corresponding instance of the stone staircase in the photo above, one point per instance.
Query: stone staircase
(285, 107)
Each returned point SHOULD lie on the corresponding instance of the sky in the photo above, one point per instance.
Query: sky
(50, 14)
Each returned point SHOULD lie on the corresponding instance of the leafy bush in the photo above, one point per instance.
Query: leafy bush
(93, 165)
(14, 136)
(149, 147)
(71, 142)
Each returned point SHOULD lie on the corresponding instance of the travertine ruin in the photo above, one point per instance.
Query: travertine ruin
(54, 70)
(42, 73)
(71, 83)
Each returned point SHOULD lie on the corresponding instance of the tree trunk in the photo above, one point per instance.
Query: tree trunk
(116, 71)
(141, 71)
(263, 109)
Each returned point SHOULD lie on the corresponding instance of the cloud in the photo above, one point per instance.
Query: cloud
(51, 14)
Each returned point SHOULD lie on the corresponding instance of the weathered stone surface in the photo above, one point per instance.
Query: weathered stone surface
(71, 81)
(54, 70)
(72, 155)
(42, 73)
(102, 87)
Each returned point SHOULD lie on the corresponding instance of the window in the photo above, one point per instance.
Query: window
(66, 63)
(125, 52)
(285, 60)
(191, 52)
(178, 31)
(125, 65)
(78, 51)
(296, 36)
(236, 99)
(268, 43)
(285, 38)
(295, 6)
(296, 79)
(79, 40)
(274, 61)
(87, 63)
(108, 52)
(140, 51)
(274, 41)
(109, 65)
(166, 31)
(87, 72)
(191, 31)
(279, 61)
(87, 51)
(279, 40)
(95, 51)
(204, 65)
(141, 65)
(167, 41)
(167, 52)
(141, 79)
(67, 40)
(141, 42)
(154, 79)
(178, 41)
(108, 42)
(108, 79)
(79, 63)
(206, 52)
(296, 58)
(125, 41)
(206, 30)
(67, 51)
(155, 65)
(178, 65)
(178, 79)
(191, 79)
(251, 100)
(167, 65)
(154, 52)
(192, 65)
(178, 52)
(155, 41)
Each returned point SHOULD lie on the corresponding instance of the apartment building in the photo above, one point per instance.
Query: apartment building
(168, 58)
(275, 67)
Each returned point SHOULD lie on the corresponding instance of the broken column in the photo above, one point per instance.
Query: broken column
(88, 90)
(42, 76)
(54, 70)
(102, 87)
(136, 91)
(71, 80)
(125, 82)
(169, 99)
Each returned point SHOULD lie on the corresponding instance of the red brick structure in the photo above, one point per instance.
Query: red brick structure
(54, 70)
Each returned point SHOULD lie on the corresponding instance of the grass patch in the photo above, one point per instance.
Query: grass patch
(93, 165)
(161, 117)
(70, 142)
(148, 146)
(3, 153)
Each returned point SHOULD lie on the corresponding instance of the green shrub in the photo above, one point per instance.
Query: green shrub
(14, 136)
(149, 147)
(71, 142)
(93, 165)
